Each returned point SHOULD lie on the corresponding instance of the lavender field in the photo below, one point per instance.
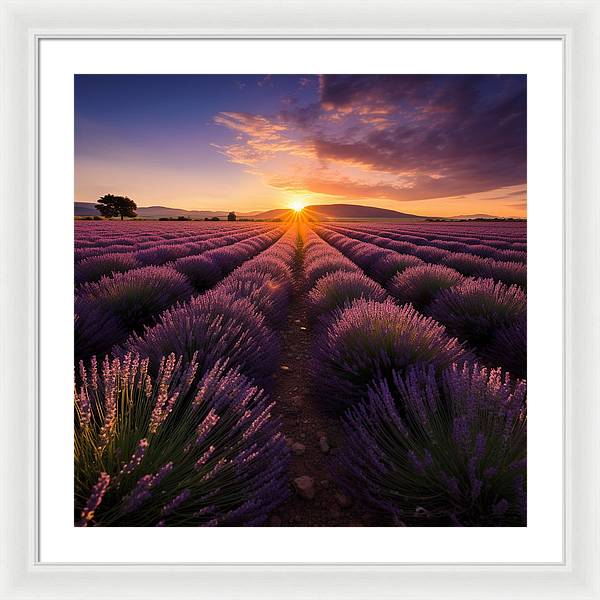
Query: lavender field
(300, 373)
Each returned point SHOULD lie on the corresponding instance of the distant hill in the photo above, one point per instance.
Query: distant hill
(339, 211)
(475, 216)
(316, 211)
(87, 209)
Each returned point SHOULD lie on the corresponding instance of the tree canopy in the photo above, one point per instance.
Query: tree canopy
(116, 206)
(231, 216)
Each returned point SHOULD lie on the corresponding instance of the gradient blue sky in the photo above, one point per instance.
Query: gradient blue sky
(436, 145)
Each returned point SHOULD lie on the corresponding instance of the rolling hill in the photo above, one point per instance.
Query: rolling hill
(87, 209)
(475, 216)
(318, 212)
(339, 211)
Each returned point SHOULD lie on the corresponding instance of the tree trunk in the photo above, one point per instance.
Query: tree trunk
(121, 217)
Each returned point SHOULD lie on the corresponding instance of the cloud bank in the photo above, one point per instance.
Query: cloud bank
(394, 137)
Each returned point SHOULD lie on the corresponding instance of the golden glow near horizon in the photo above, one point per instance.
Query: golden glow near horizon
(253, 143)
(297, 205)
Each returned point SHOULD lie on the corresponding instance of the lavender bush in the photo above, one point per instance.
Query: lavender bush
(440, 450)
(277, 268)
(419, 285)
(339, 289)
(372, 339)
(476, 308)
(212, 327)
(389, 264)
(269, 295)
(175, 450)
(324, 264)
(508, 272)
(127, 301)
(201, 271)
(94, 267)
(508, 348)
(467, 264)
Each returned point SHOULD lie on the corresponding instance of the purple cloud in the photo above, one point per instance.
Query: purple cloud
(401, 137)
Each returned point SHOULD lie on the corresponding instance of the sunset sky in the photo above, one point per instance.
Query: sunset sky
(439, 145)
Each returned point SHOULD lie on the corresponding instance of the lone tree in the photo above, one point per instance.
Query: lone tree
(231, 216)
(116, 206)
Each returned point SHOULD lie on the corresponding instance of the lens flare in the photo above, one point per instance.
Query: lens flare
(296, 205)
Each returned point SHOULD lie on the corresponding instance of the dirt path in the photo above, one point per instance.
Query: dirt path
(313, 436)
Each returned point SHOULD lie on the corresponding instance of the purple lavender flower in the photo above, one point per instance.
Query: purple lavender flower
(508, 348)
(324, 264)
(217, 456)
(439, 442)
(202, 271)
(269, 295)
(93, 502)
(214, 326)
(95, 267)
(391, 263)
(173, 504)
(476, 308)
(340, 288)
(110, 308)
(419, 285)
(372, 339)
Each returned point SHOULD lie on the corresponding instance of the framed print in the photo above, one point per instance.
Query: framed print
(299, 303)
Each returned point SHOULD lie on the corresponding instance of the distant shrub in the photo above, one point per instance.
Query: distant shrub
(201, 271)
(340, 288)
(419, 285)
(94, 267)
(214, 326)
(390, 264)
(475, 309)
(127, 301)
(372, 339)
(174, 451)
(434, 450)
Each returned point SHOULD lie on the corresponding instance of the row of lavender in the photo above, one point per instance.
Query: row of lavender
(507, 235)
(432, 437)
(176, 428)
(134, 250)
(480, 260)
(139, 235)
(478, 300)
(108, 310)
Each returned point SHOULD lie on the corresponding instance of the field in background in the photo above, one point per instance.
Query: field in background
(300, 373)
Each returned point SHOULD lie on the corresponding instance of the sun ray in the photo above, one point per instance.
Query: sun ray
(297, 205)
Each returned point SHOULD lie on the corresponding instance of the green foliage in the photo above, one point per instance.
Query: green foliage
(116, 206)
(177, 450)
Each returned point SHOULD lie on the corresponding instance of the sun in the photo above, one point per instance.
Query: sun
(296, 205)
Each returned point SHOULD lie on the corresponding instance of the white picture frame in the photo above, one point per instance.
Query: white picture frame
(25, 23)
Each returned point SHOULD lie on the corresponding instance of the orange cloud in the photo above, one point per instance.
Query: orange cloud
(400, 138)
